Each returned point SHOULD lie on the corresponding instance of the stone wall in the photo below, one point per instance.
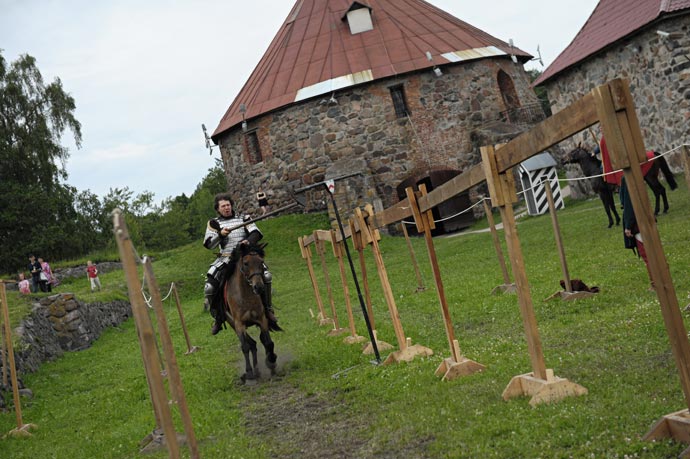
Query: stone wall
(60, 323)
(305, 143)
(658, 70)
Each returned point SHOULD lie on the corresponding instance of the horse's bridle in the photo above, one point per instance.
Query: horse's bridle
(248, 278)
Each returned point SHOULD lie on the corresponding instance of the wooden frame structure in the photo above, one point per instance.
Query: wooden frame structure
(507, 286)
(305, 250)
(319, 238)
(406, 350)
(22, 430)
(360, 242)
(568, 293)
(338, 250)
(610, 105)
(153, 363)
(456, 365)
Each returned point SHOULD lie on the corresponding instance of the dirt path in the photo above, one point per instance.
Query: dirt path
(297, 425)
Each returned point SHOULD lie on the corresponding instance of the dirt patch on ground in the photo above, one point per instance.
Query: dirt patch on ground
(298, 425)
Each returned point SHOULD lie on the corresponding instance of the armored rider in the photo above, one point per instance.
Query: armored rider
(220, 233)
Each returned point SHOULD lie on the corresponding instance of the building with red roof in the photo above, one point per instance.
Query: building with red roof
(644, 41)
(398, 90)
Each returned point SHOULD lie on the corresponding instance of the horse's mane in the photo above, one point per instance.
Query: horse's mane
(241, 250)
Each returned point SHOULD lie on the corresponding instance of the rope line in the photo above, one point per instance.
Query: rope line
(148, 300)
(543, 180)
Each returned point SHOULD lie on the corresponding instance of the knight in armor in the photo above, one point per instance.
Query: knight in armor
(220, 233)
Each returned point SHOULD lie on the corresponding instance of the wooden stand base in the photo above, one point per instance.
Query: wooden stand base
(192, 350)
(569, 296)
(156, 441)
(504, 288)
(22, 431)
(551, 389)
(420, 289)
(354, 339)
(408, 354)
(675, 425)
(450, 369)
(337, 331)
(321, 320)
(380, 345)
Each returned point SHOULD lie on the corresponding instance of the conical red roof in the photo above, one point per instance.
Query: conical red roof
(315, 53)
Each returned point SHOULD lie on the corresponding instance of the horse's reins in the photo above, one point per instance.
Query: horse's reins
(248, 278)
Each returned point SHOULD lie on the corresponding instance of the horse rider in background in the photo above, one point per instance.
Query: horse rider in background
(219, 233)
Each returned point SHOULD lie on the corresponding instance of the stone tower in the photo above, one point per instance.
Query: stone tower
(398, 91)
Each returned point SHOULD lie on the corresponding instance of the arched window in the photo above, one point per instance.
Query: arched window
(510, 97)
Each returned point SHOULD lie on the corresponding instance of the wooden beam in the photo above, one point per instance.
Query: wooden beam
(458, 184)
(393, 214)
(580, 115)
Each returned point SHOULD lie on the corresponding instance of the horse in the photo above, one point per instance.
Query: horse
(243, 308)
(591, 167)
(658, 163)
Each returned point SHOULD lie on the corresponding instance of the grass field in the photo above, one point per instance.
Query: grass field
(330, 401)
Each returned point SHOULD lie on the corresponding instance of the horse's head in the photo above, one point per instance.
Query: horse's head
(576, 155)
(251, 263)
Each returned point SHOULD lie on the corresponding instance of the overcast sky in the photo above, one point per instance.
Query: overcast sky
(146, 74)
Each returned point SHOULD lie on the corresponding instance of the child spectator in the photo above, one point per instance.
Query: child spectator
(45, 269)
(92, 274)
(24, 286)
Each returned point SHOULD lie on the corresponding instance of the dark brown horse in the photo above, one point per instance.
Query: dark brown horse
(591, 167)
(659, 164)
(244, 307)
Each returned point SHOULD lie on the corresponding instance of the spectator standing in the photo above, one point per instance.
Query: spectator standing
(92, 274)
(48, 274)
(263, 201)
(35, 270)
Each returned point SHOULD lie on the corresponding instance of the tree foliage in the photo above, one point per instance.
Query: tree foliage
(42, 215)
(36, 211)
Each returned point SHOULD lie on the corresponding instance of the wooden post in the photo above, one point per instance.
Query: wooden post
(146, 334)
(190, 349)
(420, 281)
(540, 384)
(507, 286)
(22, 430)
(621, 129)
(5, 382)
(337, 330)
(456, 365)
(322, 318)
(568, 294)
(685, 151)
(173, 371)
(406, 351)
(358, 242)
(338, 253)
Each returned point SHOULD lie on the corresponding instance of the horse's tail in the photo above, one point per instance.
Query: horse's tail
(663, 165)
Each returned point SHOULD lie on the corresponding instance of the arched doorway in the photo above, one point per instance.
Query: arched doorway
(508, 93)
(443, 211)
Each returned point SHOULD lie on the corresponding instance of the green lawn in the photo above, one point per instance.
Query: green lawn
(331, 402)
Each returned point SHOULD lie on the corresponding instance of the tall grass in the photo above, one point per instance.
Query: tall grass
(95, 403)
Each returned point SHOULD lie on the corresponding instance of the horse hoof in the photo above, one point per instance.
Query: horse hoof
(610, 224)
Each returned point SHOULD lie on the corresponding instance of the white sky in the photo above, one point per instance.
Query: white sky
(146, 74)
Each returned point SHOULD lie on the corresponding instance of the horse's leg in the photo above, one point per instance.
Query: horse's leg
(271, 356)
(662, 191)
(245, 344)
(612, 205)
(255, 359)
(604, 200)
(652, 183)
